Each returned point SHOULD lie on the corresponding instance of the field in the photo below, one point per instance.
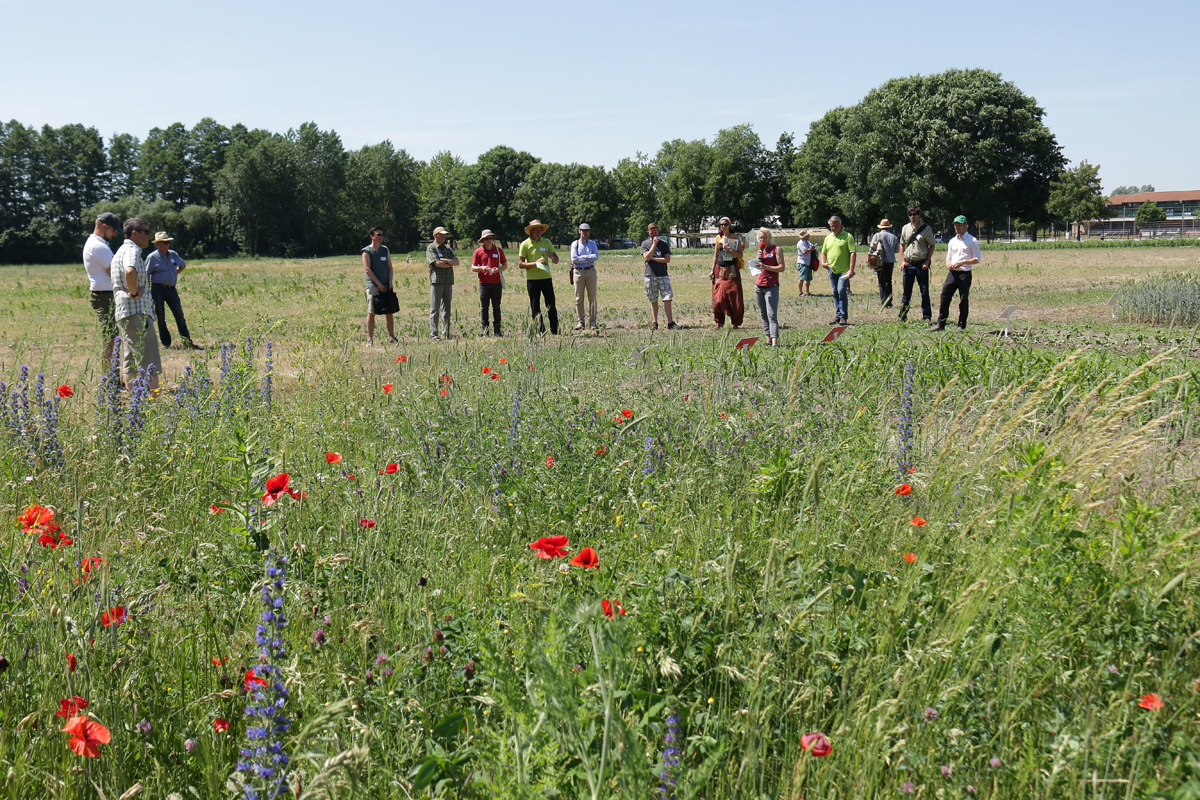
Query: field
(968, 562)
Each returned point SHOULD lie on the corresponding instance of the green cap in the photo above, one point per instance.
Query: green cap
(960, 219)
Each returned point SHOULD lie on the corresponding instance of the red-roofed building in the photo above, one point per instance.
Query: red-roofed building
(1181, 209)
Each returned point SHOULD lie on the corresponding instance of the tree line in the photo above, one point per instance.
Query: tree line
(964, 141)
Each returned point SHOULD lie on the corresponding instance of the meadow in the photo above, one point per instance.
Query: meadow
(946, 565)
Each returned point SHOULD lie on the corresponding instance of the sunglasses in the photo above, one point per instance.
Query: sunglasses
(376, 235)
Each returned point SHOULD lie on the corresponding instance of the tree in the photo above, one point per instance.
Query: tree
(778, 178)
(207, 142)
(637, 182)
(320, 163)
(487, 191)
(436, 190)
(1149, 213)
(381, 189)
(596, 200)
(736, 186)
(685, 168)
(1146, 187)
(257, 191)
(163, 164)
(547, 194)
(818, 180)
(1077, 196)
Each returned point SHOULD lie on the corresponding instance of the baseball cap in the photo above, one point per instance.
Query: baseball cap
(110, 219)
(960, 219)
(583, 226)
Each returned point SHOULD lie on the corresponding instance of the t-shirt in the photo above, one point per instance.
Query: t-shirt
(773, 257)
(97, 258)
(805, 250)
(489, 258)
(164, 269)
(379, 264)
(917, 247)
(837, 250)
(656, 269)
(534, 251)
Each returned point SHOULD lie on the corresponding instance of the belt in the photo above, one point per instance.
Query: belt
(102, 291)
(581, 269)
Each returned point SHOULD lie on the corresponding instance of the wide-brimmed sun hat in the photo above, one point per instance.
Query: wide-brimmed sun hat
(161, 236)
(884, 224)
(486, 233)
(541, 226)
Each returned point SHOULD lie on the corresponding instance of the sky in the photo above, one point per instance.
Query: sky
(594, 83)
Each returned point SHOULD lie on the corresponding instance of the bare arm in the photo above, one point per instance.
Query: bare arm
(778, 257)
(370, 274)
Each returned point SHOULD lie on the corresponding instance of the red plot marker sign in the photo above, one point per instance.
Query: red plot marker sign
(834, 333)
(746, 344)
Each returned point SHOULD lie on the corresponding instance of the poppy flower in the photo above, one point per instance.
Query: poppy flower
(816, 743)
(217, 661)
(627, 413)
(1151, 702)
(401, 359)
(51, 536)
(277, 487)
(445, 379)
(215, 509)
(903, 490)
(486, 370)
(504, 361)
(531, 367)
(86, 734)
(911, 470)
(390, 469)
(333, 458)
(549, 461)
(35, 516)
(366, 523)
(550, 546)
(87, 565)
(910, 557)
(70, 706)
(220, 724)
(70, 665)
(587, 557)
(917, 521)
(114, 616)
(601, 450)
(495, 376)
(443, 393)
(608, 608)
(387, 388)
(251, 680)
(349, 476)
(65, 391)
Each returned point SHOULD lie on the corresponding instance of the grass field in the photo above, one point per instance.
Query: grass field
(969, 562)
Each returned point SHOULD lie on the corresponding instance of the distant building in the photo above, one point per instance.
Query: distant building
(1181, 209)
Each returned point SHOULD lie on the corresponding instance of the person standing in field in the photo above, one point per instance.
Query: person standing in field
(442, 262)
(488, 262)
(97, 260)
(962, 254)
(838, 256)
(584, 254)
(806, 254)
(535, 256)
(656, 255)
(726, 276)
(766, 284)
(377, 263)
(134, 306)
(164, 266)
(917, 242)
(886, 246)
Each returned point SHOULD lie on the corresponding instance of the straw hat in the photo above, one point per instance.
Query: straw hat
(161, 236)
(885, 224)
(543, 227)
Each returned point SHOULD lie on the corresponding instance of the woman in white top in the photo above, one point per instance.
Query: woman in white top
(806, 253)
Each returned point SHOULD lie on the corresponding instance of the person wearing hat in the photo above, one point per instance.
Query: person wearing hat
(886, 245)
(918, 243)
(584, 254)
(726, 276)
(97, 258)
(377, 266)
(164, 266)
(442, 262)
(806, 260)
(535, 256)
(962, 254)
(488, 262)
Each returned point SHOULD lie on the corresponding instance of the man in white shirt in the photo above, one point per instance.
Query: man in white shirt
(583, 267)
(97, 258)
(962, 254)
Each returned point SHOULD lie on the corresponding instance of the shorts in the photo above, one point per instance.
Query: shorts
(139, 345)
(372, 290)
(105, 308)
(658, 287)
(806, 271)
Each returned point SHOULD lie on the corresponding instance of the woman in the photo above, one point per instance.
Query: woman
(806, 255)
(766, 284)
(488, 263)
(726, 277)
(377, 263)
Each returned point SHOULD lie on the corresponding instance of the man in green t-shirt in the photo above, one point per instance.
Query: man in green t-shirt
(838, 256)
(535, 256)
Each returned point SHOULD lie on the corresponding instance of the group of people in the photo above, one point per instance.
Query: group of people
(128, 292)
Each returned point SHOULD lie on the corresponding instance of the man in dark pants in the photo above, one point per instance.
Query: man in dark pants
(887, 245)
(164, 266)
(535, 256)
(962, 254)
(97, 259)
(917, 242)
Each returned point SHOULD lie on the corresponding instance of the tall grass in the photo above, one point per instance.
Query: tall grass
(1171, 298)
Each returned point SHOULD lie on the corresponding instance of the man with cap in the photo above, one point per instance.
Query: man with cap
(442, 262)
(886, 246)
(164, 266)
(962, 254)
(917, 243)
(535, 256)
(134, 306)
(97, 258)
(488, 262)
(583, 266)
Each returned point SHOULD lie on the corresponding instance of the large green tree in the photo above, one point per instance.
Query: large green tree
(737, 184)
(381, 189)
(1077, 195)
(436, 189)
(1149, 213)
(123, 151)
(818, 184)
(486, 193)
(207, 142)
(685, 168)
(320, 163)
(546, 195)
(778, 178)
(164, 164)
(596, 200)
(637, 184)
(257, 190)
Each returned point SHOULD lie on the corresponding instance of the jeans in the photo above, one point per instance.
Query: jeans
(167, 294)
(767, 298)
(915, 272)
(884, 276)
(840, 283)
(543, 288)
(440, 295)
(956, 281)
(489, 295)
(585, 280)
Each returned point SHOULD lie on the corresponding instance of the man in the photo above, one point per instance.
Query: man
(583, 265)
(442, 262)
(164, 266)
(377, 266)
(134, 306)
(962, 254)
(97, 260)
(885, 244)
(656, 253)
(838, 256)
(917, 242)
(533, 257)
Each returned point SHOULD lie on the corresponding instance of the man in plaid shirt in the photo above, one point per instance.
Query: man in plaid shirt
(135, 305)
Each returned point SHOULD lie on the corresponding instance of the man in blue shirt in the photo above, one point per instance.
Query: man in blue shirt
(164, 266)
(583, 267)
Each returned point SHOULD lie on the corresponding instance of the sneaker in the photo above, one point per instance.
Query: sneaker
(653, 326)
(671, 326)
(433, 337)
(579, 326)
(836, 321)
(962, 328)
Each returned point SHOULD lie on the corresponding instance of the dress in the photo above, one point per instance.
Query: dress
(727, 297)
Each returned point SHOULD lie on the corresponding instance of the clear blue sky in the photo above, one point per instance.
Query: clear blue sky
(595, 82)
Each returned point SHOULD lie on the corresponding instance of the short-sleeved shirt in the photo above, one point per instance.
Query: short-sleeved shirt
(961, 248)
(917, 248)
(805, 250)
(837, 250)
(380, 260)
(97, 259)
(164, 269)
(887, 245)
(130, 255)
(535, 251)
(656, 269)
(489, 258)
(439, 276)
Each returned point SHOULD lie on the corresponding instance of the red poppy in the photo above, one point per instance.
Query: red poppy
(531, 367)
(618, 419)
(601, 450)
(35, 516)
(65, 391)
(903, 490)
(504, 361)
(277, 487)
(495, 376)
(816, 743)
(70, 706)
(911, 470)
(114, 616)
(387, 388)
(401, 359)
(86, 734)
(349, 475)
(723, 415)
(486, 370)
(550, 546)
(608, 608)
(215, 509)
(333, 458)
(549, 461)
(366, 523)
(70, 664)
(1151, 702)
(86, 567)
(910, 557)
(220, 724)
(251, 680)
(443, 393)
(390, 469)
(445, 379)
(217, 661)
(627, 413)
(51, 536)
(587, 557)
(918, 522)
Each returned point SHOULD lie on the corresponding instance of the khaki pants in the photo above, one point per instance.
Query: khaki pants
(585, 279)
(139, 345)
